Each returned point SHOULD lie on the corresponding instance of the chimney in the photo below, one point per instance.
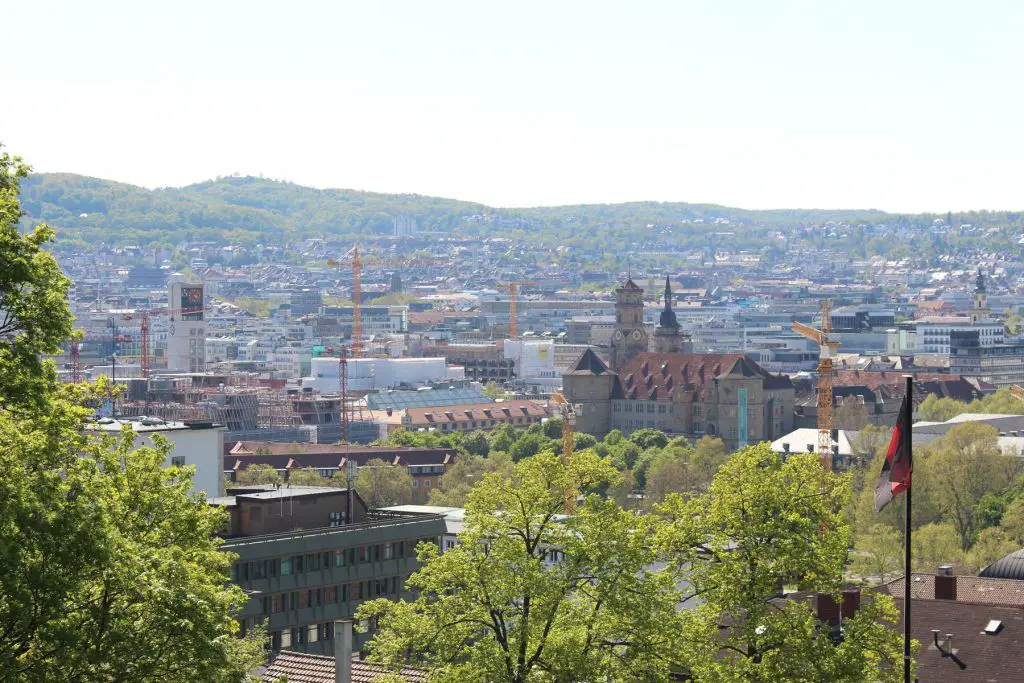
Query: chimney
(342, 651)
(945, 583)
(851, 602)
(828, 610)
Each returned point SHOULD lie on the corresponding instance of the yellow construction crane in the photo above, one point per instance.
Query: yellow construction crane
(568, 420)
(513, 299)
(827, 349)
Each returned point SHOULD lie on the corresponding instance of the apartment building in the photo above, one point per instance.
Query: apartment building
(302, 580)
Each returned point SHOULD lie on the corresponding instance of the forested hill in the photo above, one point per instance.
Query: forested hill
(249, 210)
(241, 209)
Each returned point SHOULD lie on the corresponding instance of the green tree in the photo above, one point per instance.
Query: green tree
(933, 545)
(307, 476)
(468, 470)
(965, 465)
(649, 438)
(667, 475)
(763, 522)
(502, 437)
(936, 409)
(34, 315)
(477, 443)
(1012, 522)
(112, 570)
(709, 454)
(991, 544)
(381, 484)
(493, 390)
(528, 445)
(107, 557)
(878, 554)
(259, 474)
(496, 608)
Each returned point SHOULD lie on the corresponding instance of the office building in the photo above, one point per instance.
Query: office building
(321, 567)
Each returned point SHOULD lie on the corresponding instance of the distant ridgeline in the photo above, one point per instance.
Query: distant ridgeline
(248, 210)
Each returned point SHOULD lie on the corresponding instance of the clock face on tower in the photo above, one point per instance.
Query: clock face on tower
(637, 335)
(618, 335)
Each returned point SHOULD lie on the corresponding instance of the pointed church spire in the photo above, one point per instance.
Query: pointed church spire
(668, 316)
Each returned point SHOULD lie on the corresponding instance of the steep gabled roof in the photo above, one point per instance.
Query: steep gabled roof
(589, 363)
(660, 374)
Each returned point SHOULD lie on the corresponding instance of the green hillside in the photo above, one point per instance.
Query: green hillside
(228, 209)
(247, 210)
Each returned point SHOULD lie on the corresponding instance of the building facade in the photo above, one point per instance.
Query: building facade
(721, 395)
(186, 328)
(300, 582)
(998, 364)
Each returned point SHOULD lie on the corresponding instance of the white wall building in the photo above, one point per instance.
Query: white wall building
(200, 445)
(933, 332)
(186, 328)
(365, 374)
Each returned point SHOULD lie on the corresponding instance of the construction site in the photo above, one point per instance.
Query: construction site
(252, 408)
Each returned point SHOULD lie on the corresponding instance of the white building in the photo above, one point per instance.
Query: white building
(933, 332)
(199, 445)
(366, 374)
(186, 328)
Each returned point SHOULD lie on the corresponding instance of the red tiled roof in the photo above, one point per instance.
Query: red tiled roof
(300, 667)
(969, 589)
(659, 375)
(473, 411)
(988, 657)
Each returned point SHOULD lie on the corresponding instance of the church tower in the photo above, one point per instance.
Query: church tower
(980, 311)
(630, 336)
(667, 337)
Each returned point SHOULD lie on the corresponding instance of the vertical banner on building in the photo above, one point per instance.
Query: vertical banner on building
(741, 416)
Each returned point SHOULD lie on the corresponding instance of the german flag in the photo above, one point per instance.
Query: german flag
(895, 476)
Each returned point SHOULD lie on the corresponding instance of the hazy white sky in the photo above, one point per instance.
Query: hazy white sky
(897, 105)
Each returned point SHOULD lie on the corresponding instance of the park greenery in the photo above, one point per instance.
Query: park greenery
(532, 595)
(111, 566)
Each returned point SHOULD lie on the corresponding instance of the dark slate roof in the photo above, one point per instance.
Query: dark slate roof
(988, 657)
(1009, 567)
(589, 363)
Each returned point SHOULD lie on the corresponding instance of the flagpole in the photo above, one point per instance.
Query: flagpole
(906, 536)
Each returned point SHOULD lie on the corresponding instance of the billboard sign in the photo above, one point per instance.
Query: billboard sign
(191, 302)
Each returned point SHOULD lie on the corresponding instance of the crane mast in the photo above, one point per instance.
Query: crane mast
(826, 371)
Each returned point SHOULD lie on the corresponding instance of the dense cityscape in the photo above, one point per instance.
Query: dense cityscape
(550, 343)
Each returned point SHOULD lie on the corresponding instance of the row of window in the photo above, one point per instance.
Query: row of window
(329, 595)
(652, 407)
(312, 633)
(482, 424)
(311, 562)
